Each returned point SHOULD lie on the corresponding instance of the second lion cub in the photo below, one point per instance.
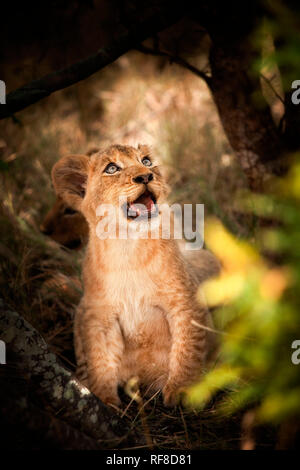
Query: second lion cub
(136, 315)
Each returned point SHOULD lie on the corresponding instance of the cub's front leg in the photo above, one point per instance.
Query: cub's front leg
(188, 346)
(99, 347)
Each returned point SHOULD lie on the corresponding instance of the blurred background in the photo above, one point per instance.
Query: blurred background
(199, 124)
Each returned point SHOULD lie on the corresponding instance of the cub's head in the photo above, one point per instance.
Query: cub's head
(65, 225)
(120, 173)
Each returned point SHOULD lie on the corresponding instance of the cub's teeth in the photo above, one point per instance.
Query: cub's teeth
(133, 211)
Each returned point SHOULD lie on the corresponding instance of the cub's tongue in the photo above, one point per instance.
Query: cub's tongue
(136, 207)
(146, 200)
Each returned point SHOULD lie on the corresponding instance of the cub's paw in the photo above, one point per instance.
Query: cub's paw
(108, 397)
(171, 396)
(113, 400)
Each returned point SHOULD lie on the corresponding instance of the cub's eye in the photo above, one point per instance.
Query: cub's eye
(112, 168)
(69, 211)
(146, 161)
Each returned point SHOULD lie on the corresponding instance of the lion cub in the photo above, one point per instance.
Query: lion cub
(65, 226)
(136, 315)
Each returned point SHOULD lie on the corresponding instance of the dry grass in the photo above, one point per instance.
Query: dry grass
(131, 101)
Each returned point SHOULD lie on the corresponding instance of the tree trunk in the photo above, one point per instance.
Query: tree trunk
(247, 122)
(236, 89)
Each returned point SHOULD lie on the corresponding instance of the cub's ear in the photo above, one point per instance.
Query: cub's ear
(69, 176)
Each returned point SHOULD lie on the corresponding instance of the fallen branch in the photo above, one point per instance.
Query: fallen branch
(52, 390)
(39, 429)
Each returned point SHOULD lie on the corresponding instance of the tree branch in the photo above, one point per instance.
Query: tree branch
(39, 429)
(162, 15)
(176, 60)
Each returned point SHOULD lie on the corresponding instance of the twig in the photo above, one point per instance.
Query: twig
(177, 60)
(212, 330)
(269, 82)
(207, 328)
(185, 428)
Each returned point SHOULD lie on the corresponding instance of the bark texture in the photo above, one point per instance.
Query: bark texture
(249, 127)
(43, 397)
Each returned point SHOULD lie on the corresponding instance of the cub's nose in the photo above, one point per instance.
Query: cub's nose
(143, 179)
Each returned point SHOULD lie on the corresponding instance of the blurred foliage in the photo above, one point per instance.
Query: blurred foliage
(256, 298)
(284, 22)
(277, 37)
(259, 317)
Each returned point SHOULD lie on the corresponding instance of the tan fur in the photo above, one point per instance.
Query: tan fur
(135, 318)
(71, 231)
(68, 229)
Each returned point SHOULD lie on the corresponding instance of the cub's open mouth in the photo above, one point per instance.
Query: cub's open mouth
(144, 206)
